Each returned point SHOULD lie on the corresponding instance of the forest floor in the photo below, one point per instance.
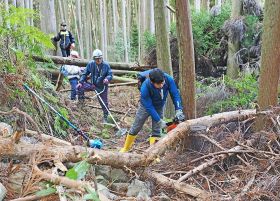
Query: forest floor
(251, 173)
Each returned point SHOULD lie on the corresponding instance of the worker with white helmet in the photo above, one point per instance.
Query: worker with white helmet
(100, 75)
(72, 72)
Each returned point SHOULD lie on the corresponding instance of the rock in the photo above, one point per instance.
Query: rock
(105, 191)
(143, 196)
(103, 170)
(136, 187)
(163, 197)
(100, 179)
(5, 129)
(17, 178)
(3, 191)
(120, 187)
(118, 175)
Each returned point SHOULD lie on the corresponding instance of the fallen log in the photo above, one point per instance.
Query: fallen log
(55, 75)
(118, 160)
(23, 150)
(180, 187)
(84, 62)
(184, 129)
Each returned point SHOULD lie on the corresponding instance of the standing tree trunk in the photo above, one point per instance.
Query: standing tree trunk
(205, 5)
(218, 3)
(163, 46)
(152, 21)
(80, 27)
(115, 18)
(20, 3)
(124, 31)
(88, 29)
(270, 57)
(197, 6)
(47, 17)
(186, 57)
(233, 46)
(103, 27)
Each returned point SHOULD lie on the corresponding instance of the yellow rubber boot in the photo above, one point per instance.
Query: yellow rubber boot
(153, 140)
(128, 143)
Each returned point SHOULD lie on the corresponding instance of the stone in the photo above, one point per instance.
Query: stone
(120, 187)
(5, 129)
(103, 170)
(136, 187)
(3, 191)
(163, 197)
(119, 176)
(105, 191)
(143, 196)
(100, 179)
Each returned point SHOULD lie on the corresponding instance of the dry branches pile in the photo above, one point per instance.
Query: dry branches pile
(231, 161)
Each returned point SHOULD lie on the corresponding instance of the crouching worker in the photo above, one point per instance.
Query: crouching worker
(72, 72)
(100, 75)
(154, 91)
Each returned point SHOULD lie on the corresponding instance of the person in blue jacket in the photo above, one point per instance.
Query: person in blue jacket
(100, 75)
(67, 41)
(154, 90)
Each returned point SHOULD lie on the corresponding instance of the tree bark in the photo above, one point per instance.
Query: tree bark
(124, 30)
(205, 5)
(197, 5)
(218, 3)
(270, 58)
(233, 46)
(115, 18)
(186, 58)
(163, 47)
(20, 3)
(48, 18)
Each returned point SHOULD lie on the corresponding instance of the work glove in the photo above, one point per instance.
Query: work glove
(180, 115)
(162, 124)
(105, 81)
(79, 85)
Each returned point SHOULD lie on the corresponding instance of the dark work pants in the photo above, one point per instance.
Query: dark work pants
(104, 95)
(140, 118)
(65, 52)
(73, 83)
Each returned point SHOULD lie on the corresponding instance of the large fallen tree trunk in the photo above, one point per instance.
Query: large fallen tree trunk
(23, 150)
(184, 129)
(84, 62)
(118, 160)
(55, 75)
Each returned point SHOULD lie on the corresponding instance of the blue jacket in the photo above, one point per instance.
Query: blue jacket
(152, 98)
(66, 39)
(97, 73)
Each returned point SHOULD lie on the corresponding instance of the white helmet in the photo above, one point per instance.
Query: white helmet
(97, 54)
(74, 53)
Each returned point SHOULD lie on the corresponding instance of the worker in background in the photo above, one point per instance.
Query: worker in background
(73, 73)
(154, 87)
(100, 75)
(67, 41)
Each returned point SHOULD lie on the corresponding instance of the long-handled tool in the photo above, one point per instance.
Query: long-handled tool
(92, 143)
(121, 131)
